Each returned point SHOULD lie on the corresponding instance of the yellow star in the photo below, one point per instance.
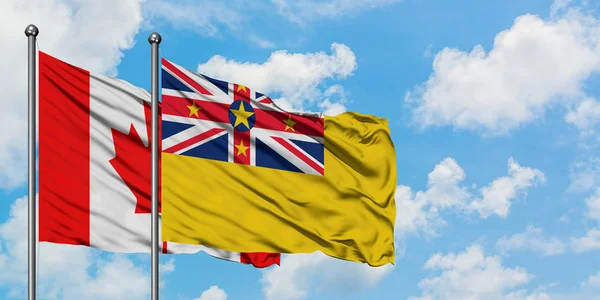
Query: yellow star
(289, 124)
(241, 148)
(193, 109)
(241, 87)
(241, 116)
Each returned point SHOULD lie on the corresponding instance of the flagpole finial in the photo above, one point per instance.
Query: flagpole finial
(154, 38)
(32, 30)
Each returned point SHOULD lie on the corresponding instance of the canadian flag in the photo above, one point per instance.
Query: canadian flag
(94, 165)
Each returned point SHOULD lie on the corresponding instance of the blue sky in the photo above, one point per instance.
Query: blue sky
(492, 109)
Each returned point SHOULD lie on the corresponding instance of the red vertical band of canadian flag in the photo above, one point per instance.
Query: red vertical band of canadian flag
(94, 165)
(64, 137)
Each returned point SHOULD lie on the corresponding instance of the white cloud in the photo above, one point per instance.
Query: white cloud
(77, 31)
(117, 278)
(420, 211)
(532, 239)
(213, 293)
(524, 295)
(66, 272)
(261, 42)
(297, 77)
(415, 214)
(164, 269)
(443, 185)
(332, 109)
(300, 273)
(589, 242)
(593, 282)
(334, 101)
(585, 175)
(559, 6)
(472, 275)
(593, 206)
(533, 65)
(428, 52)
(203, 17)
(586, 116)
(301, 11)
(496, 196)
(213, 18)
(168, 266)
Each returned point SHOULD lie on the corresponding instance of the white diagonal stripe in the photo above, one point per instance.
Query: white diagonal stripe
(192, 121)
(260, 132)
(293, 159)
(217, 94)
(182, 94)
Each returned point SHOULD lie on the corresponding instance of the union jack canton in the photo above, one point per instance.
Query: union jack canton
(208, 118)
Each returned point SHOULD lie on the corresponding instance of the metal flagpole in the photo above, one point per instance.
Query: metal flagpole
(31, 32)
(154, 40)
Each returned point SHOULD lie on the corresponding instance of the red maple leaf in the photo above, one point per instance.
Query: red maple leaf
(132, 162)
